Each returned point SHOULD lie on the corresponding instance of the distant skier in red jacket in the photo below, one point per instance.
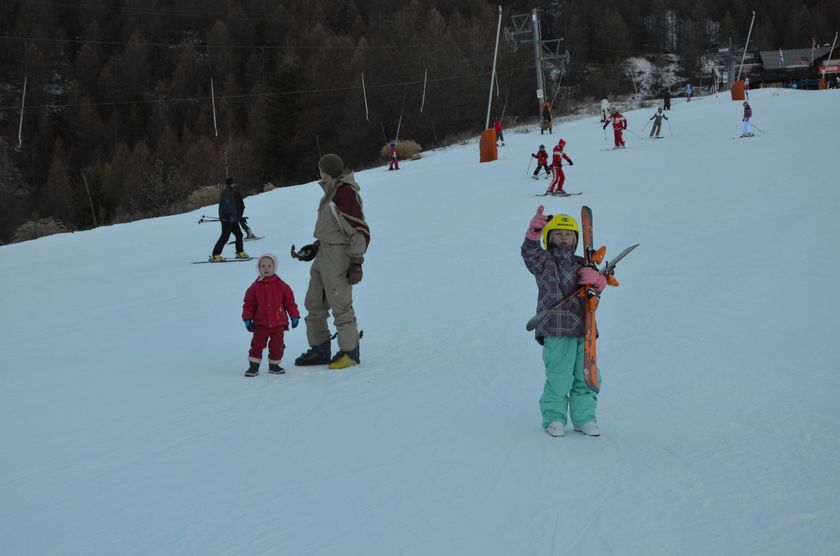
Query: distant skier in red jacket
(267, 302)
(557, 165)
(542, 162)
(619, 123)
(497, 125)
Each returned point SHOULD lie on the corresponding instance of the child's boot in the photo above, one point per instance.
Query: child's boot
(344, 359)
(590, 428)
(253, 369)
(556, 428)
(275, 369)
(316, 355)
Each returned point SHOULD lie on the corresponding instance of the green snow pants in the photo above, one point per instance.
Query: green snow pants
(564, 384)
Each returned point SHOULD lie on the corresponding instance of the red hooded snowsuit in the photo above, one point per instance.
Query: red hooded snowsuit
(619, 123)
(267, 302)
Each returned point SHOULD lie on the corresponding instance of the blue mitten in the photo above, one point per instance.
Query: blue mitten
(249, 324)
(295, 321)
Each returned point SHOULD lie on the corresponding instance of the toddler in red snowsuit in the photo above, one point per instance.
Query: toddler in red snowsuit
(267, 302)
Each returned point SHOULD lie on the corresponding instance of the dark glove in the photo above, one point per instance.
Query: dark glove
(354, 271)
(571, 163)
(306, 253)
(249, 325)
(295, 321)
(533, 155)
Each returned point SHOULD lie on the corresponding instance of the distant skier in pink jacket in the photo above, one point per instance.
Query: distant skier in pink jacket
(395, 163)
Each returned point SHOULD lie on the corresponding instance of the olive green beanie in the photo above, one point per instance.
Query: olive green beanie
(331, 164)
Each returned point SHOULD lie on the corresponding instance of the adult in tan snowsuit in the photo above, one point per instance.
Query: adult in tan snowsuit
(342, 237)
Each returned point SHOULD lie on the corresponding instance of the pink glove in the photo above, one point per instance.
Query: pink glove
(591, 277)
(538, 222)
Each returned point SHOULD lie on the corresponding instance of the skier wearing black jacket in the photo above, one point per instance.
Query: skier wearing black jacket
(229, 215)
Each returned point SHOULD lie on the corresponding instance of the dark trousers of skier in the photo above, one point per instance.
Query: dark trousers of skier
(243, 223)
(657, 125)
(227, 228)
(542, 166)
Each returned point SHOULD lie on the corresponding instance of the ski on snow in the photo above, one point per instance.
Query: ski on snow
(255, 238)
(564, 194)
(224, 261)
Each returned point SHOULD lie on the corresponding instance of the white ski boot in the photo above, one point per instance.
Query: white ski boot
(590, 428)
(556, 428)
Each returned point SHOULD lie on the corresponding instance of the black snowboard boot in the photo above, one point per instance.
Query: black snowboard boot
(253, 369)
(275, 369)
(316, 355)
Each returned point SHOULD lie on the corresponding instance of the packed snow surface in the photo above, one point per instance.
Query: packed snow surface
(128, 427)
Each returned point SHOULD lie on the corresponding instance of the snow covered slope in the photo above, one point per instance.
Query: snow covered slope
(128, 428)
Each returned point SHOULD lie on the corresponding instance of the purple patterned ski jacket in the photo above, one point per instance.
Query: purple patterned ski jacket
(556, 271)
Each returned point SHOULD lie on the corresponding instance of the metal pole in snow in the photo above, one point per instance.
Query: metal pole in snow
(20, 126)
(493, 73)
(213, 100)
(832, 48)
(743, 57)
(423, 100)
(92, 211)
(364, 93)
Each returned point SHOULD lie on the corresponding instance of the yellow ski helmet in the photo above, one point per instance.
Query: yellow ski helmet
(560, 222)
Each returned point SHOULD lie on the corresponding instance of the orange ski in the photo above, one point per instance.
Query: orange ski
(590, 363)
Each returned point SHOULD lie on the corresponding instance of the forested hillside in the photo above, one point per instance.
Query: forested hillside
(118, 92)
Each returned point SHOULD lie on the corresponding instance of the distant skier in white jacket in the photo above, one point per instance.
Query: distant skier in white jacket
(605, 109)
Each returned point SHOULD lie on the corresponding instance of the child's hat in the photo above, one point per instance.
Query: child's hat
(271, 256)
(542, 146)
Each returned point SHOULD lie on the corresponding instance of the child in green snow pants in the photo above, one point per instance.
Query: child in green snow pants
(564, 384)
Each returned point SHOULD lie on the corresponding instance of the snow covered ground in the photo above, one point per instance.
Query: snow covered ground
(128, 428)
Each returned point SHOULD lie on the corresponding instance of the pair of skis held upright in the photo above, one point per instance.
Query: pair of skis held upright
(592, 257)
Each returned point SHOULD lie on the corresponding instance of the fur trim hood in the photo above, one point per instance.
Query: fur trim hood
(271, 256)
